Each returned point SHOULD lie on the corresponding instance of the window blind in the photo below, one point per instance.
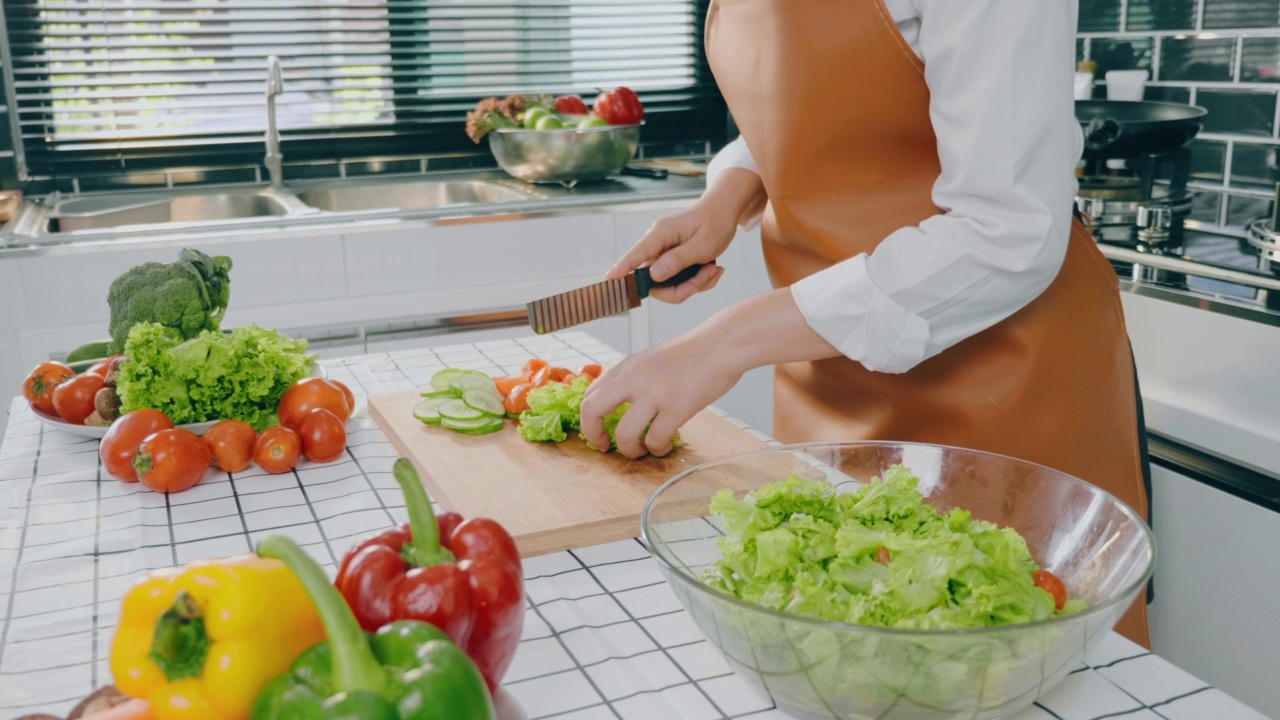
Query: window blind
(101, 84)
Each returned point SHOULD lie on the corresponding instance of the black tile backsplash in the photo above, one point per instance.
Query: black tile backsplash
(1121, 54)
(1099, 15)
(1241, 13)
(1208, 161)
(1260, 61)
(1223, 55)
(1239, 112)
(1254, 166)
(1191, 58)
(1157, 15)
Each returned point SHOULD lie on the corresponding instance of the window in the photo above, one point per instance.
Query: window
(140, 84)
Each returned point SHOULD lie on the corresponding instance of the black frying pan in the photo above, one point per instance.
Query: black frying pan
(1121, 129)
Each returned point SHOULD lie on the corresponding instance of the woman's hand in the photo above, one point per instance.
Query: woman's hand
(666, 385)
(697, 235)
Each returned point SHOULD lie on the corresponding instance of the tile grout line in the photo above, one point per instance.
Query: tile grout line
(569, 653)
(649, 635)
(97, 566)
(17, 563)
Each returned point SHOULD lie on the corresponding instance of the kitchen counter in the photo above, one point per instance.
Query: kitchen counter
(604, 636)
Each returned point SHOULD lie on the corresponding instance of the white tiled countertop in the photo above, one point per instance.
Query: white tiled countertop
(604, 636)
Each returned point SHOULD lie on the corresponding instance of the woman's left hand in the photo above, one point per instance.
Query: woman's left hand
(666, 385)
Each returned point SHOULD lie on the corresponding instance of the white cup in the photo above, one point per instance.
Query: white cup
(1084, 86)
(1126, 84)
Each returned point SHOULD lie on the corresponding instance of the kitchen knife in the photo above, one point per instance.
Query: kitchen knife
(611, 297)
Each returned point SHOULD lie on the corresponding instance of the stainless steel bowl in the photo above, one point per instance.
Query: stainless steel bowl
(566, 156)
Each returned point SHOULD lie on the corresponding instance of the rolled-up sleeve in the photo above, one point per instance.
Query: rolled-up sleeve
(999, 74)
(734, 155)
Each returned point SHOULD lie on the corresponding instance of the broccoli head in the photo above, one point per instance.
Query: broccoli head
(189, 295)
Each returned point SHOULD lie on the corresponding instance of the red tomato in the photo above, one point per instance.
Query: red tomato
(518, 400)
(882, 555)
(558, 374)
(351, 397)
(121, 442)
(308, 394)
(323, 437)
(506, 384)
(102, 366)
(620, 107)
(277, 449)
(172, 460)
(571, 105)
(73, 399)
(532, 367)
(231, 442)
(592, 371)
(568, 379)
(1050, 583)
(541, 378)
(39, 385)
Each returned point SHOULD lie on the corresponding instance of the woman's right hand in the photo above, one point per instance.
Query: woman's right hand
(697, 235)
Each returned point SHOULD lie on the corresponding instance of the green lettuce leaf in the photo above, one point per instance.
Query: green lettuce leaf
(798, 546)
(547, 427)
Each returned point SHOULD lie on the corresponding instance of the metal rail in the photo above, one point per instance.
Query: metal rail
(1196, 268)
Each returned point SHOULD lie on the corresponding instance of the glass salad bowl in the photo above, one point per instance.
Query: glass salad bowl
(813, 668)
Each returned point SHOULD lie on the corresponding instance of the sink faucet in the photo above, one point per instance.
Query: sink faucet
(275, 86)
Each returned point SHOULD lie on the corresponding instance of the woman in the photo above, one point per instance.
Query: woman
(911, 162)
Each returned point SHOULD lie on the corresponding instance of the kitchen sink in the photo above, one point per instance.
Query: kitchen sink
(409, 195)
(104, 212)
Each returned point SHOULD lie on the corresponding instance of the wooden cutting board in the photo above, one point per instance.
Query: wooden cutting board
(550, 496)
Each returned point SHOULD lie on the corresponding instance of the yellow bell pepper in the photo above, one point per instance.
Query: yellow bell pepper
(200, 642)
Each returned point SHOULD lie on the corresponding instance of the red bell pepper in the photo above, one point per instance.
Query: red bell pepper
(463, 576)
(620, 107)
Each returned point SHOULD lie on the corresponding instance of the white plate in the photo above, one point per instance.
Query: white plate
(90, 431)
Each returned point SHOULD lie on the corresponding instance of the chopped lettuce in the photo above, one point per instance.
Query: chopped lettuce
(564, 401)
(547, 427)
(798, 546)
(212, 376)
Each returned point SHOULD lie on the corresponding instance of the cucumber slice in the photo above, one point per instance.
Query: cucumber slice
(428, 411)
(485, 401)
(483, 382)
(479, 426)
(440, 381)
(441, 394)
(455, 409)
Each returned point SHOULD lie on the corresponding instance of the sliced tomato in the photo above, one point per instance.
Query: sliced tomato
(591, 370)
(558, 374)
(1051, 584)
(532, 367)
(882, 555)
(518, 400)
(506, 384)
(542, 377)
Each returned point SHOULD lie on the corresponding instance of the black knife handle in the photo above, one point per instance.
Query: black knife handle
(645, 282)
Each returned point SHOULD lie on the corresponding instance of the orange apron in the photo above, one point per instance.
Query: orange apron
(833, 103)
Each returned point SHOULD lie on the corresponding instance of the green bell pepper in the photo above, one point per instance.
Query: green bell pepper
(407, 670)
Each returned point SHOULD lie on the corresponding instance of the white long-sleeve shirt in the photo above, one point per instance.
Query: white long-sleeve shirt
(1000, 77)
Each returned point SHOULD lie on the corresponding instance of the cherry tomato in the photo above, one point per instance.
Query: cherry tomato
(308, 394)
(506, 384)
(121, 442)
(73, 399)
(1050, 583)
(351, 397)
(571, 105)
(558, 374)
(323, 437)
(882, 555)
(592, 371)
(532, 367)
(231, 442)
(39, 385)
(518, 400)
(541, 378)
(172, 460)
(620, 107)
(277, 449)
(102, 366)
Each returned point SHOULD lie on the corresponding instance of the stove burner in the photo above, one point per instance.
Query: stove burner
(1129, 208)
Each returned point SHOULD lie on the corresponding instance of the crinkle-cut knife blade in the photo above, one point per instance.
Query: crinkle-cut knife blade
(600, 300)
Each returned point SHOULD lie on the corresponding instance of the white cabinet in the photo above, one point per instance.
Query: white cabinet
(1217, 583)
